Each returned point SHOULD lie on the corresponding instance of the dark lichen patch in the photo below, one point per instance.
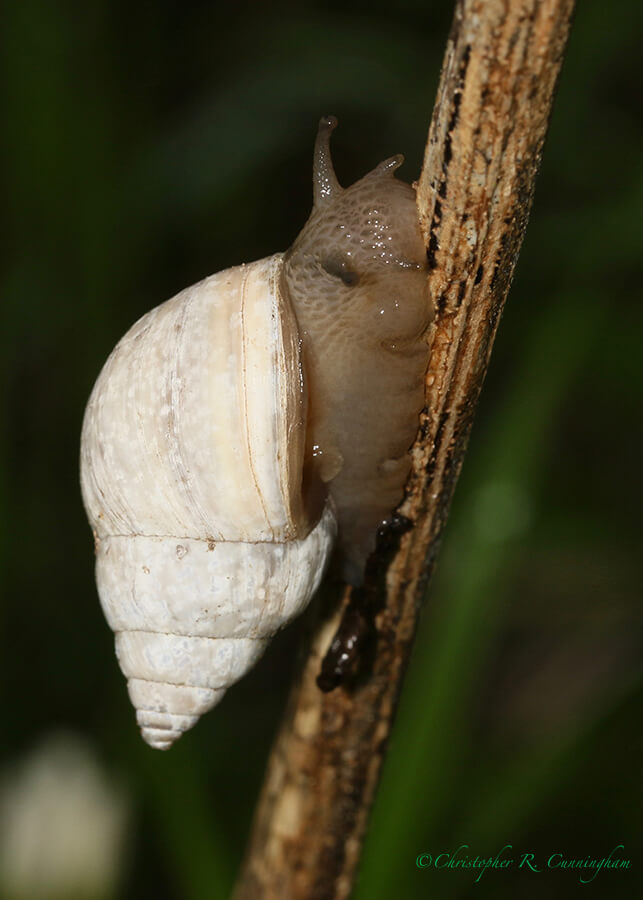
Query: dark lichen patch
(466, 56)
(479, 275)
(431, 251)
(448, 155)
(351, 654)
(344, 651)
(494, 313)
(500, 263)
(423, 429)
(455, 112)
(430, 466)
(513, 39)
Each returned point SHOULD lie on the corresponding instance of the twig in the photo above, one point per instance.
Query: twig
(474, 195)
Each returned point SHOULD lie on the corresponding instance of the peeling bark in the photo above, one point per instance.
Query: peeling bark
(475, 191)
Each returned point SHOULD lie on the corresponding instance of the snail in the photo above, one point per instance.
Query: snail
(241, 427)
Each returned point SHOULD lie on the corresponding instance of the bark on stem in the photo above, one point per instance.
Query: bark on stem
(474, 195)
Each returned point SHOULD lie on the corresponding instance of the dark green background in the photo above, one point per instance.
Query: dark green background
(150, 144)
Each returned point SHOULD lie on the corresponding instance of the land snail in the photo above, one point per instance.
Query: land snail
(240, 428)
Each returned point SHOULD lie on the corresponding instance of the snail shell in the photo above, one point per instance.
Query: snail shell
(219, 455)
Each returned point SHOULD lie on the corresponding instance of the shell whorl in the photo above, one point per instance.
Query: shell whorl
(196, 424)
(214, 607)
(191, 469)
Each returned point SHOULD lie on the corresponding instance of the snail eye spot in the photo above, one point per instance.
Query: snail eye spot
(338, 269)
(349, 277)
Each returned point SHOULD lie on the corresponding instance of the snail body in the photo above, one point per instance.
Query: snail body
(239, 427)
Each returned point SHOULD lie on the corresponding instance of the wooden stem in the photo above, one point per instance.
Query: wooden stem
(475, 191)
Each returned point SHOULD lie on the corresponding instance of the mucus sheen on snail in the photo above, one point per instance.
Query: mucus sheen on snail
(241, 427)
(356, 277)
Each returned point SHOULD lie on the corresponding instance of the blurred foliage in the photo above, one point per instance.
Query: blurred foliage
(147, 145)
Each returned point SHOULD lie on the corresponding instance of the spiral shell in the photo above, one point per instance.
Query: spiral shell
(191, 472)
